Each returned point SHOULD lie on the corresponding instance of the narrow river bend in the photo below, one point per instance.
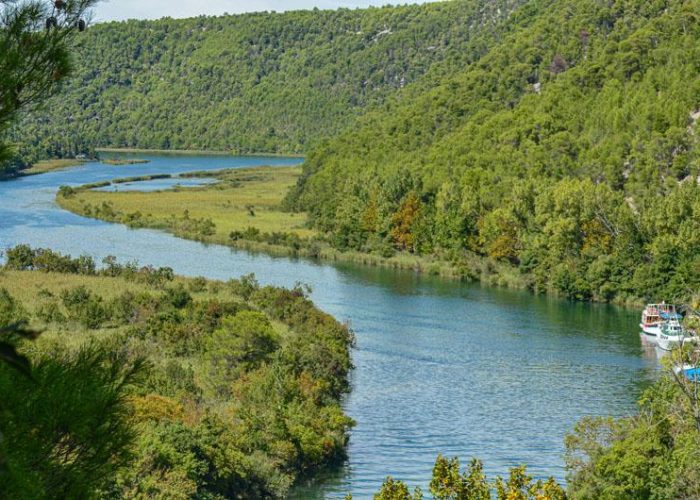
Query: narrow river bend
(441, 367)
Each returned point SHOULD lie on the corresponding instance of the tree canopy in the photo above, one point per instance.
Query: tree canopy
(567, 149)
(263, 82)
(34, 54)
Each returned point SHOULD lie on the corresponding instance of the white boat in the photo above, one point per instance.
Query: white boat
(651, 318)
(672, 334)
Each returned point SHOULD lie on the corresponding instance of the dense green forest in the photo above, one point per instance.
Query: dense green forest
(144, 384)
(568, 150)
(557, 138)
(249, 83)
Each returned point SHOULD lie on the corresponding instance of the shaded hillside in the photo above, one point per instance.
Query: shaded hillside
(249, 83)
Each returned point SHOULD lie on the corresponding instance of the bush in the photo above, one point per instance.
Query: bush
(11, 311)
(124, 308)
(23, 257)
(197, 285)
(20, 258)
(50, 312)
(84, 307)
(67, 430)
(244, 286)
(66, 192)
(177, 297)
(241, 343)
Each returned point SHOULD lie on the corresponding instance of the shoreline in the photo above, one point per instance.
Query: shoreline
(469, 268)
(45, 166)
(474, 269)
(56, 164)
(196, 152)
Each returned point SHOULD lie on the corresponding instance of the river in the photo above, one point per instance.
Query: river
(441, 366)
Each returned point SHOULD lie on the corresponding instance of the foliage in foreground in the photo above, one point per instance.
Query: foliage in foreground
(651, 455)
(449, 483)
(241, 397)
(35, 38)
(65, 422)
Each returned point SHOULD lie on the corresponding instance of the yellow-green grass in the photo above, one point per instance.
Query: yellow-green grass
(29, 288)
(26, 286)
(241, 199)
(44, 166)
(134, 161)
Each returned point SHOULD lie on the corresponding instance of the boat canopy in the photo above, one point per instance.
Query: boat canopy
(692, 374)
(670, 316)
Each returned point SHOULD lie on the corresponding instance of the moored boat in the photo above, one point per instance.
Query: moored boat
(652, 320)
(672, 334)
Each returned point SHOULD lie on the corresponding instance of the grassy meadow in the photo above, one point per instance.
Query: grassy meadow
(240, 200)
(33, 289)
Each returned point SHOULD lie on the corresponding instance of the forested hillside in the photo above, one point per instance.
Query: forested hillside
(250, 83)
(568, 150)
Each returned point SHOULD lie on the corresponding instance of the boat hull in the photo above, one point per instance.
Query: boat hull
(650, 330)
(670, 342)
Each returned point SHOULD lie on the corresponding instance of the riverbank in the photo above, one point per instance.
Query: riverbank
(208, 215)
(243, 210)
(44, 166)
(195, 152)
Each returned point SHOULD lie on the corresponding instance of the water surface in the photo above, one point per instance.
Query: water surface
(441, 367)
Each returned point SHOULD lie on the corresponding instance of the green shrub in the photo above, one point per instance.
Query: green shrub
(11, 311)
(177, 297)
(241, 344)
(197, 285)
(50, 312)
(67, 430)
(84, 307)
(19, 258)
